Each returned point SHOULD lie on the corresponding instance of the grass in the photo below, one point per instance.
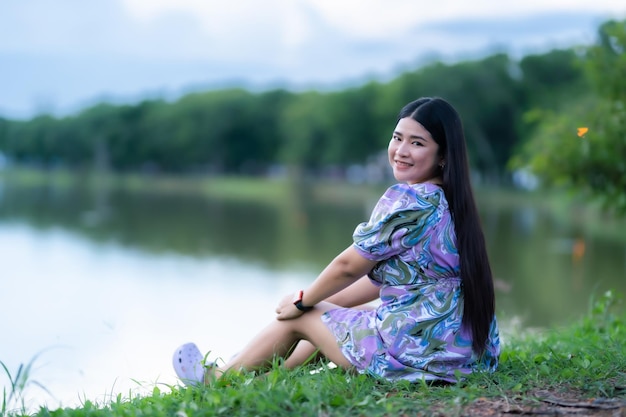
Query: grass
(15, 397)
(586, 360)
(235, 187)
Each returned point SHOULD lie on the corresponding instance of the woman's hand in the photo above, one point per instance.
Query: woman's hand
(286, 310)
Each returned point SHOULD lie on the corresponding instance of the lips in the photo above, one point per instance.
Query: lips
(401, 164)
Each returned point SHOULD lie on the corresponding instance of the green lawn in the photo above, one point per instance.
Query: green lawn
(580, 367)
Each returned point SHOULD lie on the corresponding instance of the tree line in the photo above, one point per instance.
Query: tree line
(505, 104)
(234, 131)
(590, 161)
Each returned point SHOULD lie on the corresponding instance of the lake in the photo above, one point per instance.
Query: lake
(101, 284)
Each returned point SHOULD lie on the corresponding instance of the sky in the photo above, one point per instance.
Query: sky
(61, 56)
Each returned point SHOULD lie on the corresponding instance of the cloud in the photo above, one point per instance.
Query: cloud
(59, 56)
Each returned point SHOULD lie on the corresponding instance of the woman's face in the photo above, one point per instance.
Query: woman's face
(413, 153)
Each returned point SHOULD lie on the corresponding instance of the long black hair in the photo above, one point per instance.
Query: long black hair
(444, 124)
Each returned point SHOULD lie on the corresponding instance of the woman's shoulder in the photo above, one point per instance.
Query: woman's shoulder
(422, 193)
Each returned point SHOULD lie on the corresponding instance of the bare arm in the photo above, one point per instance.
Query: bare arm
(342, 272)
(348, 267)
(361, 292)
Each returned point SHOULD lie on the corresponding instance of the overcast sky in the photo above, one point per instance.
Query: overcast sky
(62, 55)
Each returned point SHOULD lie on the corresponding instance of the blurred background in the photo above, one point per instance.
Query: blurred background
(170, 169)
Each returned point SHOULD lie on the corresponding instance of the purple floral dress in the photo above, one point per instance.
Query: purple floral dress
(415, 333)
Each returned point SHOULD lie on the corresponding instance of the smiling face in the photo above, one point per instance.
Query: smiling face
(414, 154)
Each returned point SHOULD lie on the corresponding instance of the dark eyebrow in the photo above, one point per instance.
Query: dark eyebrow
(395, 132)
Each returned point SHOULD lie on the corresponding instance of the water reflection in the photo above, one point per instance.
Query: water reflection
(552, 271)
(273, 234)
(110, 281)
(545, 270)
(104, 316)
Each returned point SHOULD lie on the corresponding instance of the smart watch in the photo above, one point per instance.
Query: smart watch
(298, 302)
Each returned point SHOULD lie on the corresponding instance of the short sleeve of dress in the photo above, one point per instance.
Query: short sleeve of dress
(399, 221)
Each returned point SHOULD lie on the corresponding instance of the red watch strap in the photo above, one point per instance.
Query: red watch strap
(298, 302)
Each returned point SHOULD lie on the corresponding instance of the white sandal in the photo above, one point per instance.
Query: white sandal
(189, 364)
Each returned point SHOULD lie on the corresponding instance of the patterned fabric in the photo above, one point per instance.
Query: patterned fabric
(415, 333)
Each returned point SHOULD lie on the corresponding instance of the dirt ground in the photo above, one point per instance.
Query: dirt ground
(546, 403)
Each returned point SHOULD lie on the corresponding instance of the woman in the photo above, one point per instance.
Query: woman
(423, 254)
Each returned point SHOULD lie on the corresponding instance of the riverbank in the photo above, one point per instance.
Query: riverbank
(575, 370)
(565, 208)
(564, 205)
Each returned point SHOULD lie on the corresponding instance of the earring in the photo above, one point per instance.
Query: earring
(442, 165)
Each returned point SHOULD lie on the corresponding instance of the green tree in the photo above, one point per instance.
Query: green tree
(303, 130)
(353, 126)
(552, 79)
(239, 132)
(593, 164)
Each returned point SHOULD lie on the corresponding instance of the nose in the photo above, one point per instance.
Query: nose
(402, 148)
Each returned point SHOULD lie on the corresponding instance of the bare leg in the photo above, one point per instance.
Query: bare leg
(280, 337)
(305, 351)
(296, 340)
(356, 295)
